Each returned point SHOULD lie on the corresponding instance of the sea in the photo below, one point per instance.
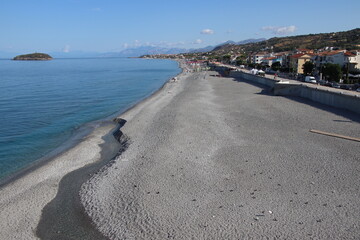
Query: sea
(45, 104)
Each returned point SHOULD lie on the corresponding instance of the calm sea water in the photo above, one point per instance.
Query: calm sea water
(44, 103)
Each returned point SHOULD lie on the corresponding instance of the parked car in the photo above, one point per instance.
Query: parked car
(345, 86)
(310, 79)
(270, 71)
(328, 84)
(322, 82)
(335, 85)
(356, 86)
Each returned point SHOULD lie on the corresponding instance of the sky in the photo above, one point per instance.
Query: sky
(114, 25)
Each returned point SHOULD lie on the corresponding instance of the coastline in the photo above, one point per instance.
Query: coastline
(39, 183)
(42, 141)
(74, 140)
(206, 158)
(53, 154)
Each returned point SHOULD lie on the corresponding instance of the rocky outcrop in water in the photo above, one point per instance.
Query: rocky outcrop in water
(33, 56)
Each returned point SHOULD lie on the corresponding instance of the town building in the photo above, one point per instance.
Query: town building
(257, 57)
(298, 60)
(268, 61)
(334, 57)
(352, 61)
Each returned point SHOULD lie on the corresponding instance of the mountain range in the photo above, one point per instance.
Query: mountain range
(151, 50)
(134, 52)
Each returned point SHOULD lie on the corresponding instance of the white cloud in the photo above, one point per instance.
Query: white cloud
(66, 49)
(207, 31)
(198, 41)
(96, 9)
(280, 30)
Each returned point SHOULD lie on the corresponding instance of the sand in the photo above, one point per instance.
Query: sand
(208, 158)
(216, 158)
(22, 201)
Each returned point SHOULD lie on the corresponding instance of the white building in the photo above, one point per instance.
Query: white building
(257, 58)
(340, 57)
(334, 57)
(353, 59)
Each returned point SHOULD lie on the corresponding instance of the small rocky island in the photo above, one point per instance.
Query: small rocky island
(33, 56)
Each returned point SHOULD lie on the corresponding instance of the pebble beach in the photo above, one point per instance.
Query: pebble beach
(205, 157)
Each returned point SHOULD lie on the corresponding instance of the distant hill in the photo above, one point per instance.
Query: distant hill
(144, 50)
(230, 43)
(344, 40)
(33, 56)
(200, 50)
(151, 50)
(251, 40)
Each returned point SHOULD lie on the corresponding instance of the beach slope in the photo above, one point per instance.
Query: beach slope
(206, 158)
(221, 158)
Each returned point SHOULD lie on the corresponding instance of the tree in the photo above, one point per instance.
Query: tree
(276, 66)
(241, 60)
(308, 67)
(332, 71)
(226, 58)
(251, 65)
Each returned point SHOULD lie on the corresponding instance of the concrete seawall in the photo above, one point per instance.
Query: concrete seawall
(328, 96)
(254, 78)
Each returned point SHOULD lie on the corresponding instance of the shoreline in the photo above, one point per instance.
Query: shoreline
(14, 187)
(207, 157)
(74, 221)
(64, 215)
(75, 139)
(70, 143)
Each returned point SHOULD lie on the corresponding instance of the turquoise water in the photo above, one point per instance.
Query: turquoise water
(44, 103)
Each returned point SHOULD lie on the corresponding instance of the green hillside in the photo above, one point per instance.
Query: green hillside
(349, 40)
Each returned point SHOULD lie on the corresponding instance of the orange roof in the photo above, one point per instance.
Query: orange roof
(330, 53)
(349, 54)
(283, 53)
(297, 55)
(260, 53)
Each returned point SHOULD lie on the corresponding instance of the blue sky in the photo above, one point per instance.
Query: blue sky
(110, 25)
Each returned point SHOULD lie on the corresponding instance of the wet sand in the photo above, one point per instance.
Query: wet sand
(207, 158)
(22, 200)
(43, 201)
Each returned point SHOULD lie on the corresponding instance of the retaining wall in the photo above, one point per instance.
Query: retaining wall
(331, 97)
(254, 78)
